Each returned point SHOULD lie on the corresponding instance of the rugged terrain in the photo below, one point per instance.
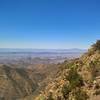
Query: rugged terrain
(76, 79)
(16, 83)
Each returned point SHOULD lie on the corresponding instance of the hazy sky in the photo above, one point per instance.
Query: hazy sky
(49, 23)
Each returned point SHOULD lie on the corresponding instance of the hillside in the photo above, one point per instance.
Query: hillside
(16, 83)
(77, 79)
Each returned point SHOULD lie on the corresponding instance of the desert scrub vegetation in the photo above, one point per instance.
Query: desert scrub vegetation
(96, 46)
(74, 78)
(66, 89)
(50, 96)
(41, 97)
(73, 90)
(79, 94)
(94, 68)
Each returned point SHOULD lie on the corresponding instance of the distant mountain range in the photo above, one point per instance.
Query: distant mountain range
(42, 50)
(14, 56)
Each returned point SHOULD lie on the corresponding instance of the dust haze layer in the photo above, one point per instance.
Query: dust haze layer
(30, 55)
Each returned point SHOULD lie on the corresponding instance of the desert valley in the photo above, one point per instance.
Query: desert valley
(50, 77)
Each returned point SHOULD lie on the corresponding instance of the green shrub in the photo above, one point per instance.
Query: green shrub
(76, 93)
(74, 78)
(65, 91)
(75, 81)
(80, 94)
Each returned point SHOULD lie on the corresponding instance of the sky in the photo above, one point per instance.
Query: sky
(49, 24)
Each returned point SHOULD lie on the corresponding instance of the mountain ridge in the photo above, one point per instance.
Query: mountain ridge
(78, 79)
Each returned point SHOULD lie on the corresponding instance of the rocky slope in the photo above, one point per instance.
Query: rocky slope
(16, 83)
(77, 79)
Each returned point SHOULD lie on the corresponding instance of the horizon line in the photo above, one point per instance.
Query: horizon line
(47, 48)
